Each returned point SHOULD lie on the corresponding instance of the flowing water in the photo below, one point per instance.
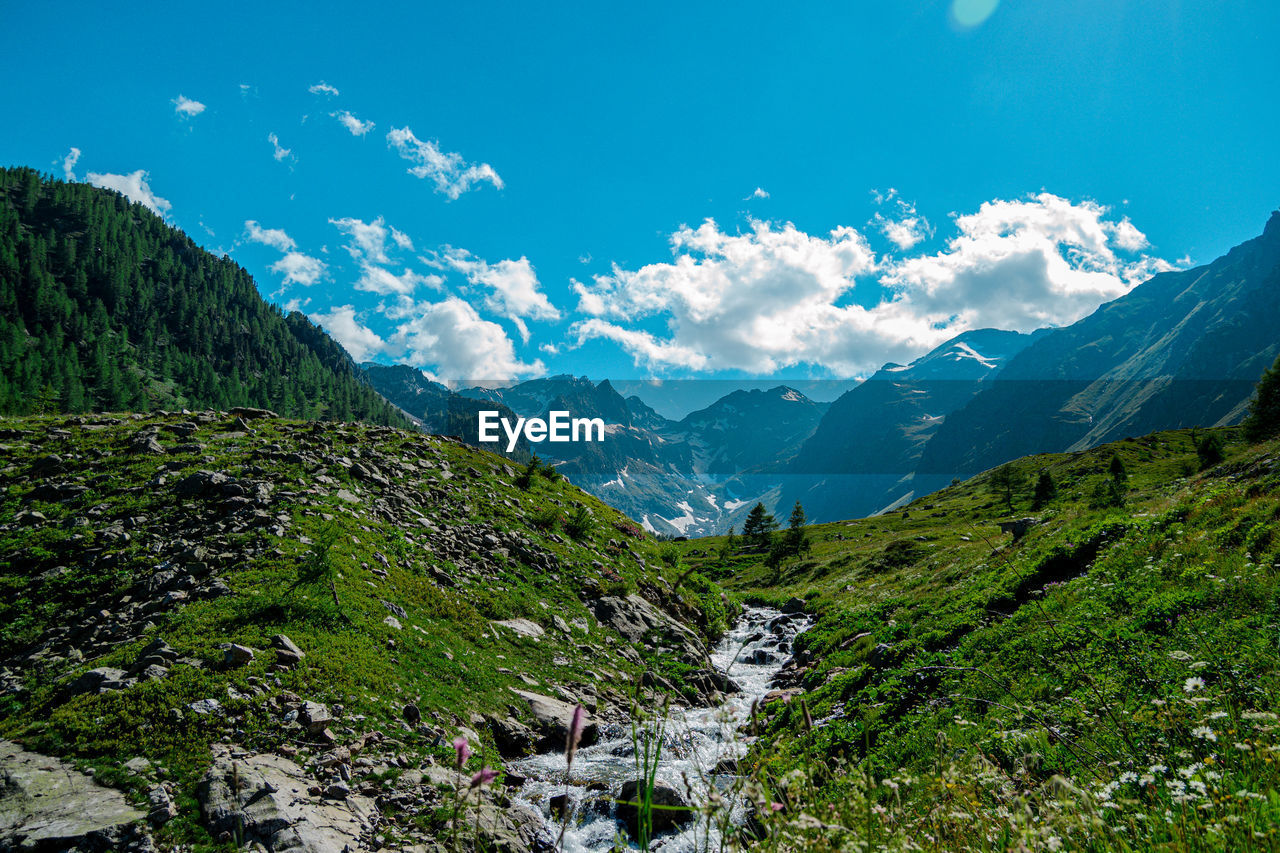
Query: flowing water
(694, 741)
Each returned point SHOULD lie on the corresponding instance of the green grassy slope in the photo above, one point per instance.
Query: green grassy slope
(387, 556)
(1108, 681)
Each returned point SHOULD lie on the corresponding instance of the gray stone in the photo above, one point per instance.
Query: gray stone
(46, 804)
(670, 808)
(523, 627)
(237, 655)
(265, 799)
(552, 718)
(97, 680)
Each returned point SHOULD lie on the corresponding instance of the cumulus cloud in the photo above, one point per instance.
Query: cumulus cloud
(185, 107)
(758, 193)
(361, 342)
(69, 164)
(1025, 264)
(905, 226)
(297, 268)
(368, 245)
(452, 342)
(512, 287)
(376, 279)
(353, 124)
(294, 267)
(368, 239)
(322, 88)
(276, 238)
(451, 174)
(278, 151)
(133, 186)
(775, 297)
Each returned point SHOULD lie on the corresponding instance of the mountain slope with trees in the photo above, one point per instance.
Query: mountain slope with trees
(106, 307)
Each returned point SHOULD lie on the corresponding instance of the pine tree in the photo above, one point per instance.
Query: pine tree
(796, 541)
(1263, 421)
(1006, 481)
(1046, 490)
(759, 524)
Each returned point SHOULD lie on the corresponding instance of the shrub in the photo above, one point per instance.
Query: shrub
(579, 524)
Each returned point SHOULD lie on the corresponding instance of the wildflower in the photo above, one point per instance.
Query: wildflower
(1200, 664)
(461, 750)
(484, 777)
(777, 807)
(575, 734)
(1178, 654)
(1204, 732)
(1191, 685)
(1157, 768)
(1127, 777)
(1216, 715)
(1243, 747)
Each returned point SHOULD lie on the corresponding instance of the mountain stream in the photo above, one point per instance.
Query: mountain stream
(696, 742)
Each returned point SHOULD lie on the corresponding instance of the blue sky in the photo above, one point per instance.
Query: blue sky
(730, 190)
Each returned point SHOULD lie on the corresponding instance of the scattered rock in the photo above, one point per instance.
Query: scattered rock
(236, 655)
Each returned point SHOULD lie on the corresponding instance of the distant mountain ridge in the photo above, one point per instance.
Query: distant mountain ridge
(1184, 348)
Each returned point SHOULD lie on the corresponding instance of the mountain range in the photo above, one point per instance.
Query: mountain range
(104, 306)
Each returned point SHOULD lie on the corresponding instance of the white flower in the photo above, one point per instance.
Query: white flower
(1204, 732)
(1193, 684)
(1178, 654)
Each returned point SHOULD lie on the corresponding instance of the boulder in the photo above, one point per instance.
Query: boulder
(265, 799)
(98, 680)
(552, 718)
(670, 808)
(46, 804)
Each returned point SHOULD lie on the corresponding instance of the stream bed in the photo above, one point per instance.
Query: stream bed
(694, 742)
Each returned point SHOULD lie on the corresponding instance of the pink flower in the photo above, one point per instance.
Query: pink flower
(777, 807)
(484, 777)
(462, 751)
(575, 733)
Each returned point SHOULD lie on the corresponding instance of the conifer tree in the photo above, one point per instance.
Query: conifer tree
(1263, 421)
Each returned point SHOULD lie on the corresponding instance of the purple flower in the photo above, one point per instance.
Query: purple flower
(484, 777)
(461, 750)
(575, 733)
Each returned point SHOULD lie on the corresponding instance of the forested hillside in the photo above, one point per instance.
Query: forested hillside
(105, 307)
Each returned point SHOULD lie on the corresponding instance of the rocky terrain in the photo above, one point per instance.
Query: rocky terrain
(226, 628)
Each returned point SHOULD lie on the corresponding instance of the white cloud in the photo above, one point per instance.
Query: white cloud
(758, 193)
(322, 88)
(1026, 264)
(368, 239)
(905, 227)
(512, 285)
(185, 107)
(376, 279)
(134, 186)
(69, 164)
(298, 268)
(402, 239)
(361, 342)
(276, 238)
(775, 297)
(353, 124)
(278, 151)
(456, 343)
(295, 267)
(368, 245)
(451, 174)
